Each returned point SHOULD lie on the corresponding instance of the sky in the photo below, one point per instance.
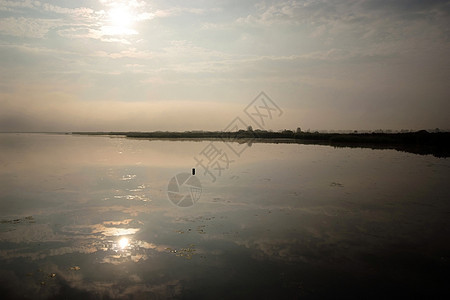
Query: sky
(105, 65)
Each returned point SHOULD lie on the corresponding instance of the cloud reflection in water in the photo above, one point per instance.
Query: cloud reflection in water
(277, 218)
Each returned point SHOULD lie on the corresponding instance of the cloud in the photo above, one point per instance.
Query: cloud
(8, 5)
(80, 22)
(368, 21)
(27, 27)
(178, 10)
(60, 110)
(323, 50)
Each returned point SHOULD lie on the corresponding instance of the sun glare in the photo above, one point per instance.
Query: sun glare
(120, 17)
(120, 21)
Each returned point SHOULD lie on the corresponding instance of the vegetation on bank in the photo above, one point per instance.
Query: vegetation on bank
(419, 137)
(421, 142)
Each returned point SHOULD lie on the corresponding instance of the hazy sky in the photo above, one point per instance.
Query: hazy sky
(183, 65)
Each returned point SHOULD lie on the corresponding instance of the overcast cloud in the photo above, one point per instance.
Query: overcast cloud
(185, 65)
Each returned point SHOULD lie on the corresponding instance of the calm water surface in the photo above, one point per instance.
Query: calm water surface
(89, 217)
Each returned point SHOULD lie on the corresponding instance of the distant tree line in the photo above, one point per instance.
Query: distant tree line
(419, 137)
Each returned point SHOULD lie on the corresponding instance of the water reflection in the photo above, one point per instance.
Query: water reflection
(123, 243)
(287, 221)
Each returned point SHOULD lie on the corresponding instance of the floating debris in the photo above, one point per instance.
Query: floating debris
(186, 253)
(128, 177)
(336, 184)
(52, 275)
(75, 268)
(200, 229)
(28, 219)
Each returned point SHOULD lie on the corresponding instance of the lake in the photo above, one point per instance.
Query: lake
(99, 217)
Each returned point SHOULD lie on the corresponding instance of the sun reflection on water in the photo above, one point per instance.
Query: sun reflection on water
(124, 242)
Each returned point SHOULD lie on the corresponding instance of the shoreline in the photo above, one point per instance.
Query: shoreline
(420, 142)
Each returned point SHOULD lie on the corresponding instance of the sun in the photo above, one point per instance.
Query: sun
(120, 21)
(120, 17)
